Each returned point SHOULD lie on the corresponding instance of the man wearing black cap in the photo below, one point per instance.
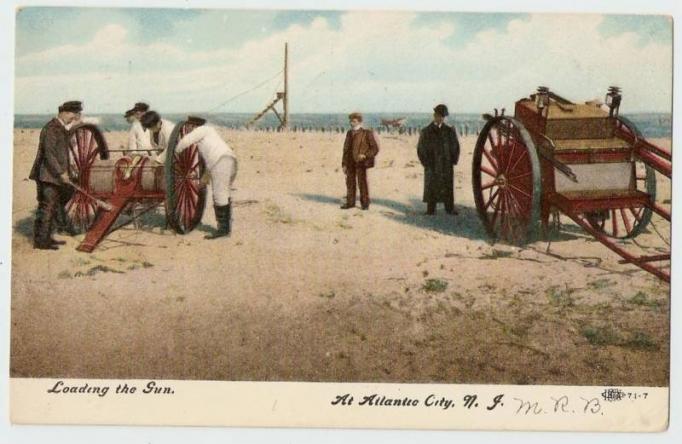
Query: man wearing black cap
(50, 171)
(160, 131)
(138, 137)
(438, 151)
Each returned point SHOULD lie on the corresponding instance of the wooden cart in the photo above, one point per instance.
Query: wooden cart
(582, 160)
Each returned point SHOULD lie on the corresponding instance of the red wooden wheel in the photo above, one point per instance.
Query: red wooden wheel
(86, 144)
(506, 181)
(628, 222)
(185, 196)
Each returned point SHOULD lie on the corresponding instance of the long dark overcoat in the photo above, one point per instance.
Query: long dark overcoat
(53, 154)
(438, 151)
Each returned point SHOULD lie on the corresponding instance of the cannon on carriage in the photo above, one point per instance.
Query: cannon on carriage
(105, 187)
(582, 160)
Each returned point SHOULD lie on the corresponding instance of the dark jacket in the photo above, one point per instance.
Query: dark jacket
(365, 143)
(52, 158)
(438, 151)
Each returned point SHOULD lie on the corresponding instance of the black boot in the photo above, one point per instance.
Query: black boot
(223, 216)
(450, 209)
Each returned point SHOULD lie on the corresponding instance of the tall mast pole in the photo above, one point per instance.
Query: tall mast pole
(285, 124)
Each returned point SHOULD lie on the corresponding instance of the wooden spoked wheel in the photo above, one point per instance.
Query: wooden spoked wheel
(628, 222)
(86, 144)
(185, 196)
(506, 181)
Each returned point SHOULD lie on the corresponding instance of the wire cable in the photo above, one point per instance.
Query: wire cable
(236, 96)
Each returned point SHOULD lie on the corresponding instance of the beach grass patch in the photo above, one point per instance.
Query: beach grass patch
(561, 297)
(435, 285)
(601, 336)
(98, 269)
(640, 341)
(496, 254)
(601, 283)
(640, 298)
(327, 295)
(276, 214)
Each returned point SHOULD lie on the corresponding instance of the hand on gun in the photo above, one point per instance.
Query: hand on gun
(205, 179)
(98, 202)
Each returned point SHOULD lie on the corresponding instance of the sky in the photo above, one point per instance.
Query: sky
(184, 60)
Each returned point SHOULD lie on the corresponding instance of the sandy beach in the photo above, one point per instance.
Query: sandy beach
(303, 291)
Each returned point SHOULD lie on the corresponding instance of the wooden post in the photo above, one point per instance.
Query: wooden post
(282, 95)
(285, 102)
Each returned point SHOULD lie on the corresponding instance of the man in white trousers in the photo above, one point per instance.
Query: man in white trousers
(222, 166)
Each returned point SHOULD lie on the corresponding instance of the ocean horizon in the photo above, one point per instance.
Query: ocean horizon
(650, 124)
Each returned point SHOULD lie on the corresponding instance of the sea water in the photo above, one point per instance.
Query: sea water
(650, 124)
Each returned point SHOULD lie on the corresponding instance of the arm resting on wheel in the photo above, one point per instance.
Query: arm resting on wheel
(190, 139)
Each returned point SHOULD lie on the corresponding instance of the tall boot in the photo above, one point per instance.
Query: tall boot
(223, 216)
(42, 239)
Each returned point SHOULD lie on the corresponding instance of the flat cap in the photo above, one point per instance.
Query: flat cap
(355, 115)
(72, 106)
(149, 119)
(195, 120)
(141, 106)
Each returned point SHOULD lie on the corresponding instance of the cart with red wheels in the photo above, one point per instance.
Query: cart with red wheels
(104, 187)
(581, 160)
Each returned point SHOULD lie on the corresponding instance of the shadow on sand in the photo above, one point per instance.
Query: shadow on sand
(466, 224)
(155, 219)
(24, 227)
(146, 222)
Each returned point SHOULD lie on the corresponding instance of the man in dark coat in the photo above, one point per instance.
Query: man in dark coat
(50, 171)
(438, 151)
(359, 150)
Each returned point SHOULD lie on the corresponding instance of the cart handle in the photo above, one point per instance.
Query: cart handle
(549, 156)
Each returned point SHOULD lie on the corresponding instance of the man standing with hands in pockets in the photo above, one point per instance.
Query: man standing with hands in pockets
(438, 151)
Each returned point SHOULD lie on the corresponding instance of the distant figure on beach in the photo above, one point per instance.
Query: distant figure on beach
(138, 137)
(438, 151)
(221, 163)
(51, 174)
(359, 150)
(398, 123)
(160, 131)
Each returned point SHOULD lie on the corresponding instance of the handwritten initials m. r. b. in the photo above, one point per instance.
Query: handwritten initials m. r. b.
(533, 408)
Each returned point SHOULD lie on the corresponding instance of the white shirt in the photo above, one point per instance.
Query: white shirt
(138, 137)
(164, 138)
(82, 121)
(211, 146)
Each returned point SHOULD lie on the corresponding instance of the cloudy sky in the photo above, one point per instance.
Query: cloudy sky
(196, 60)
